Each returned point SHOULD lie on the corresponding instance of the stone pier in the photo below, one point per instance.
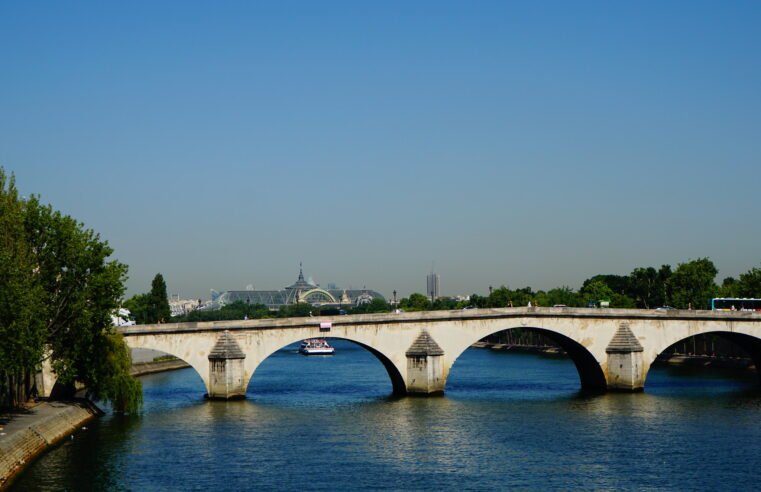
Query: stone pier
(424, 369)
(625, 369)
(227, 378)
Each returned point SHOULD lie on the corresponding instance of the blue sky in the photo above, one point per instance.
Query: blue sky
(534, 143)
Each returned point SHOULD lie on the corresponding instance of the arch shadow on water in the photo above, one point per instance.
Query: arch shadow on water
(706, 372)
(498, 375)
(354, 373)
(587, 379)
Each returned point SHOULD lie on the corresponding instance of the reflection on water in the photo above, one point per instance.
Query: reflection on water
(507, 420)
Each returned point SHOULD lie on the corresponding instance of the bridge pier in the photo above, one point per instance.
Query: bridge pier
(425, 375)
(227, 379)
(625, 368)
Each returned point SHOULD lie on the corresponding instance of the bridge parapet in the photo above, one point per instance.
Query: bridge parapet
(441, 316)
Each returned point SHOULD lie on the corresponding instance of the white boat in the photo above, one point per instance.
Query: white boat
(316, 346)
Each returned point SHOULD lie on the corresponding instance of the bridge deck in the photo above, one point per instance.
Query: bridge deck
(457, 315)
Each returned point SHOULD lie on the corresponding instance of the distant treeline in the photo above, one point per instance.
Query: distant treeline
(690, 285)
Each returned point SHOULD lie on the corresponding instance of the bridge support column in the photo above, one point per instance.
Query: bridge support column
(625, 369)
(227, 379)
(425, 374)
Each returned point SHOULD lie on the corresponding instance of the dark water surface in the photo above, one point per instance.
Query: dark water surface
(507, 420)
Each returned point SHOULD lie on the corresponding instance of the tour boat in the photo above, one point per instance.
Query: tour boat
(315, 346)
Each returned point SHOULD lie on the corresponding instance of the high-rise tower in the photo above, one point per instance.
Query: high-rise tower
(432, 284)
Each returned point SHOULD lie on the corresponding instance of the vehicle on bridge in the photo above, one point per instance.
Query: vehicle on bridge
(122, 317)
(735, 304)
(316, 346)
(598, 303)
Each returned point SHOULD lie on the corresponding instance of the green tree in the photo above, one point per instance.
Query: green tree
(749, 284)
(478, 301)
(138, 308)
(80, 290)
(444, 304)
(300, 309)
(729, 288)
(522, 296)
(235, 310)
(692, 284)
(596, 290)
(158, 301)
(151, 307)
(500, 297)
(415, 302)
(374, 306)
(563, 295)
(599, 290)
(647, 286)
(619, 284)
(22, 329)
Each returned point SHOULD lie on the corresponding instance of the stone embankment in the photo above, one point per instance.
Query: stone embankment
(142, 368)
(533, 349)
(26, 433)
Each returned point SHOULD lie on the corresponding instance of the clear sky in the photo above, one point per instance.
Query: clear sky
(532, 143)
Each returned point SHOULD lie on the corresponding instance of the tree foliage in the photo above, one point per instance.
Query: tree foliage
(692, 284)
(64, 307)
(22, 330)
(749, 284)
(158, 303)
(152, 307)
(415, 302)
(235, 310)
(374, 306)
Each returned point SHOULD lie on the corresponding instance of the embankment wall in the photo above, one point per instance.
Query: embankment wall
(48, 423)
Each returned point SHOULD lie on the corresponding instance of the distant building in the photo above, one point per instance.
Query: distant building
(432, 282)
(179, 307)
(301, 291)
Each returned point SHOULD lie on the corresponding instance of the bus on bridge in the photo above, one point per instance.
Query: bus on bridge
(735, 304)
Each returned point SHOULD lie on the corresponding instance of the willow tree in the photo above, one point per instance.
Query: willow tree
(80, 289)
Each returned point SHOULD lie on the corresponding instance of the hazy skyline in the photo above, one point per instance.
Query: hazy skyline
(511, 143)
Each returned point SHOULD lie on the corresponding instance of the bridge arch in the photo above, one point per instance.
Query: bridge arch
(177, 347)
(394, 372)
(749, 343)
(591, 374)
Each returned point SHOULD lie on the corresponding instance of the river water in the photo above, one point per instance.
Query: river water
(507, 420)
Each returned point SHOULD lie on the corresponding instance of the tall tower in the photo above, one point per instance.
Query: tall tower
(432, 285)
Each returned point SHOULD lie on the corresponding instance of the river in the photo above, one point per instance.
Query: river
(507, 420)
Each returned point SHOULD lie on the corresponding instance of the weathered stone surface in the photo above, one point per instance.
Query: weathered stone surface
(27, 435)
(623, 341)
(424, 345)
(226, 348)
(425, 374)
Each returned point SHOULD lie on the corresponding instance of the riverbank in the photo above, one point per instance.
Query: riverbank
(531, 349)
(142, 368)
(26, 433)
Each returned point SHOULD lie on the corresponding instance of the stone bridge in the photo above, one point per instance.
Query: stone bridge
(612, 349)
